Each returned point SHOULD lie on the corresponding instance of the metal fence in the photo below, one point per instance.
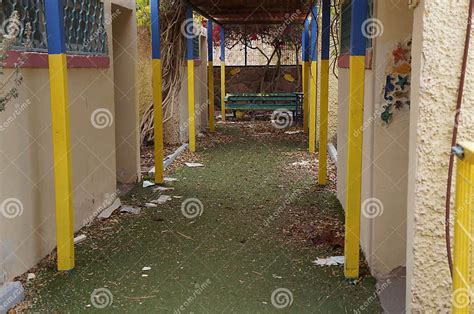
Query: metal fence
(239, 55)
(84, 25)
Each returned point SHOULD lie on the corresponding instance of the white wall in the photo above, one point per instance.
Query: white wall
(385, 149)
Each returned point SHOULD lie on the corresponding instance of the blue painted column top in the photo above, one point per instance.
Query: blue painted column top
(210, 48)
(189, 33)
(359, 16)
(54, 12)
(155, 29)
(314, 33)
(222, 33)
(305, 41)
(326, 31)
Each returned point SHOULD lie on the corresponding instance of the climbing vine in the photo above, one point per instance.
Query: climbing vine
(172, 54)
(12, 29)
(277, 36)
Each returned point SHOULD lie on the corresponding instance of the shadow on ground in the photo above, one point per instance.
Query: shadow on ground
(244, 247)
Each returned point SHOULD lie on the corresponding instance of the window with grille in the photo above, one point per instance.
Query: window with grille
(84, 25)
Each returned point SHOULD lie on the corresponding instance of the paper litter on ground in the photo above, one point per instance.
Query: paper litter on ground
(168, 179)
(162, 199)
(293, 132)
(80, 238)
(162, 189)
(151, 205)
(146, 268)
(330, 261)
(148, 184)
(130, 210)
(106, 213)
(193, 164)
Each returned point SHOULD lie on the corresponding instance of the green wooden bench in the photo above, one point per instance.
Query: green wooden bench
(265, 102)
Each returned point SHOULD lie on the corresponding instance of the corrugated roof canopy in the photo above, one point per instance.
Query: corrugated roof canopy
(254, 11)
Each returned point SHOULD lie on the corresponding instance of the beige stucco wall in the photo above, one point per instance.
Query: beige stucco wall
(26, 158)
(385, 150)
(439, 32)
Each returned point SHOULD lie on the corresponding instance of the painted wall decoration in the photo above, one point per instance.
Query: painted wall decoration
(396, 92)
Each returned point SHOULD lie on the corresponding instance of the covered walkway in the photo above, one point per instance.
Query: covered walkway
(262, 224)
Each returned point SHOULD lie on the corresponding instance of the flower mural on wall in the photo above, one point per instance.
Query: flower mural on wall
(396, 91)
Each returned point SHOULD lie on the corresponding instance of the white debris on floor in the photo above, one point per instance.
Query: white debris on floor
(162, 199)
(293, 132)
(30, 277)
(330, 261)
(304, 163)
(80, 238)
(146, 268)
(130, 210)
(162, 189)
(148, 184)
(151, 205)
(168, 179)
(106, 213)
(193, 164)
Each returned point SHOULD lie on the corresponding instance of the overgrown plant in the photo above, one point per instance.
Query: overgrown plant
(13, 28)
(276, 36)
(172, 56)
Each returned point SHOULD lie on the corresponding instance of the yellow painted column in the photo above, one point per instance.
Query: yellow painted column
(463, 236)
(312, 106)
(354, 166)
(223, 90)
(62, 161)
(157, 90)
(324, 93)
(58, 81)
(191, 107)
(158, 120)
(191, 78)
(210, 75)
(222, 46)
(355, 139)
(313, 77)
(305, 95)
(212, 127)
(323, 122)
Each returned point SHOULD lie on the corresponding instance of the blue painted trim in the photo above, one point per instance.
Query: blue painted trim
(210, 48)
(54, 12)
(155, 29)
(326, 31)
(222, 34)
(305, 41)
(189, 33)
(314, 34)
(359, 16)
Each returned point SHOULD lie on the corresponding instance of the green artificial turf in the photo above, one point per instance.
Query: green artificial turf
(229, 259)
